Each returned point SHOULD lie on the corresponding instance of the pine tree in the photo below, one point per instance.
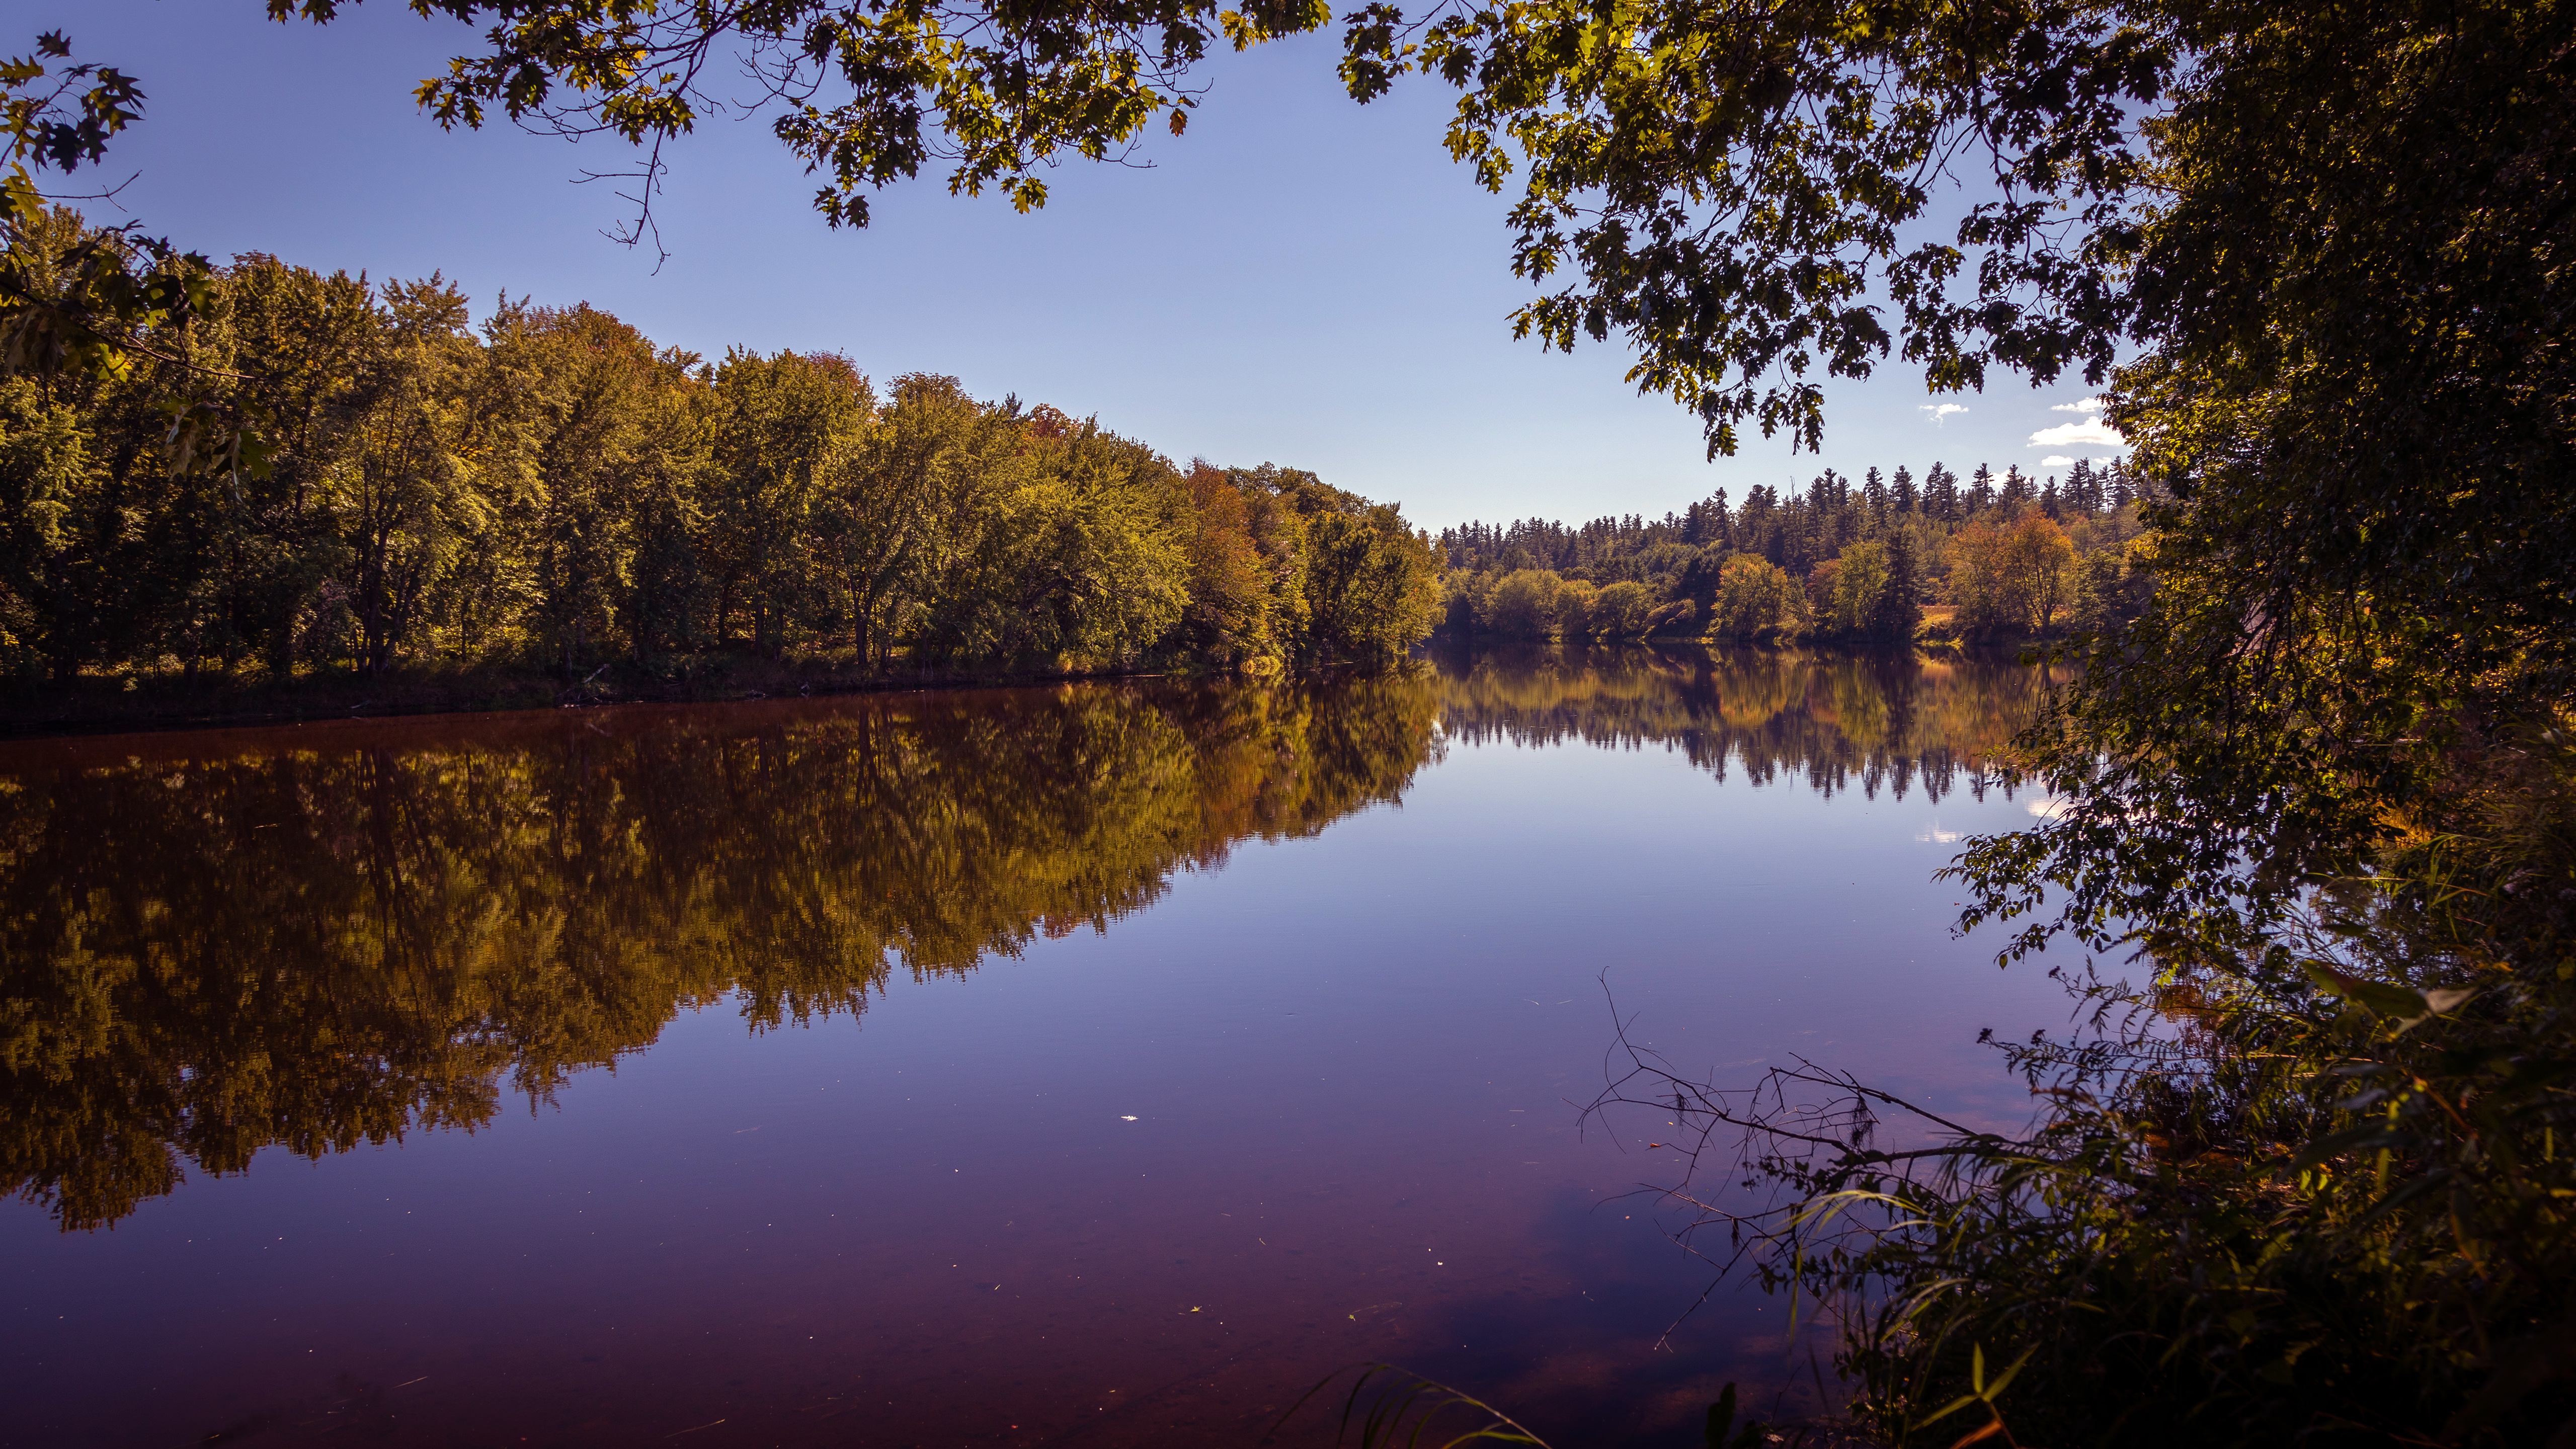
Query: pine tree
(1981, 490)
(2016, 488)
(2082, 489)
(1900, 607)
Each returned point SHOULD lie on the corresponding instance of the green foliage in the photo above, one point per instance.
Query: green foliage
(1620, 611)
(1754, 596)
(1372, 583)
(86, 304)
(1526, 604)
(2314, 780)
(1574, 601)
(2321, 732)
(2109, 589)
(1681, 617)
(867, 93)
(1730, 186)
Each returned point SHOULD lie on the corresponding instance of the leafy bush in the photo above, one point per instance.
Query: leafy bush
(1753, 594)
(1620, 610)
(1522, 605)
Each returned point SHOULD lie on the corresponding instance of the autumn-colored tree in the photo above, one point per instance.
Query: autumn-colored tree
(1228, 617)
(2010, 578)
(1822, 579)
(1754, 595)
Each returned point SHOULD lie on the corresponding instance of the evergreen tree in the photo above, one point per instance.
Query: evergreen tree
(1941, 494)
(1899, 607)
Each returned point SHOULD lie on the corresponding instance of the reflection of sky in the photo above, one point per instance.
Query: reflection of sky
(1314, 1107)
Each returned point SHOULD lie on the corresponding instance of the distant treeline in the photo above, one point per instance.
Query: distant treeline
(1849, 559)
(550, 488)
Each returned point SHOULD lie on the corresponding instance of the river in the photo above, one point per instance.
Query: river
(1097, 1065)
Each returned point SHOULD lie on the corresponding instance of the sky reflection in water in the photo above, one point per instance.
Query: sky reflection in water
(1098, 1065)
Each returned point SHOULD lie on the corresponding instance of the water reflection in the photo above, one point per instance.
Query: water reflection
(1308, 1110)
(1840, 721)
(318, 938)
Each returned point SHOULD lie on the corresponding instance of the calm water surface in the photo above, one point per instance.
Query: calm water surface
(1097, 1066)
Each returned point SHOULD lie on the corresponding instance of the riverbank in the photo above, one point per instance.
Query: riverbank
(142, 703)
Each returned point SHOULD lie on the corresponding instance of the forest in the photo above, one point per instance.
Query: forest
(1879, 560)
(548, 489)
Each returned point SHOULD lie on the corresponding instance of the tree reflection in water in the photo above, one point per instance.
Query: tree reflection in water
(316, 938)
(1871, 721)
(312, 939)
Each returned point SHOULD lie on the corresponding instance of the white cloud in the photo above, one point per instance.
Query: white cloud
(2058, 460)
(1942, 411)
(2087, 405)
(2090, 432)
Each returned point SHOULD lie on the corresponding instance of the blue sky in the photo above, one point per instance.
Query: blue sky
(1298, 280)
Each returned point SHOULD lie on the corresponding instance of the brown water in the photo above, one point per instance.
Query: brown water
(1099, 1065)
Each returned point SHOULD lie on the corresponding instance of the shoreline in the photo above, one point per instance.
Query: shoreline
(94, 707)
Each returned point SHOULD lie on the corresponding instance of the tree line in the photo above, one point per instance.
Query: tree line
(2003, 555)
(548, 487)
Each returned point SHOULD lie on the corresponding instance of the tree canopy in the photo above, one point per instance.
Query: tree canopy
(551, 489)
(1741, 191)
